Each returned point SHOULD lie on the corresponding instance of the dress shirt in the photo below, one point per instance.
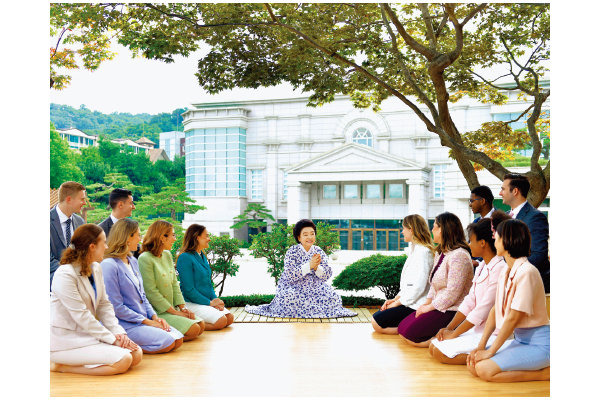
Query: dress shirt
(489, 215)
(477, 304)
(63, 222)
(306, 266)
(113, 218)
(517, 209)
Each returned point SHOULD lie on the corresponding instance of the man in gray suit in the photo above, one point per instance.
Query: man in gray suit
(64, 221)
(122, 205)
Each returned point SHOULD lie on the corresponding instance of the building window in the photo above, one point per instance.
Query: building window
(330, 191)
(216, 161)
(362, 136)
(256, 184)
(351, 191)
(438, 181)
(373, 191)
(284, 190)
(396, 191)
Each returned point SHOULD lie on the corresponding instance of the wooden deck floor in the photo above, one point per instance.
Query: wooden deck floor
(292, 359)
(364, 315)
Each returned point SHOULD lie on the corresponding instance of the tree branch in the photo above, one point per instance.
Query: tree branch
(57, 43)
(359, 68)
(410, 41)
(405, 70)
(473, 13)
(438, 32)
(428, 26)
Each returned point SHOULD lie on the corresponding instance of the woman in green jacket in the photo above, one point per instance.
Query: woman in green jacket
(160, 281)
(196, 283)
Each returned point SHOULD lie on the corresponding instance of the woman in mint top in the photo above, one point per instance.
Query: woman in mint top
(160, 281)
(196, 283)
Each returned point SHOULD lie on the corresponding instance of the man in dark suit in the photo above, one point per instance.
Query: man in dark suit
(64, 221)
(122, 205)
(514, 193)
(482, 202)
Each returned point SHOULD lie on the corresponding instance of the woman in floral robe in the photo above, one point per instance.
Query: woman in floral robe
(302, 291)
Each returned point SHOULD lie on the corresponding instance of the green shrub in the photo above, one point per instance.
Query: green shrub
(256, 299)
(377, 270)
(220, 253)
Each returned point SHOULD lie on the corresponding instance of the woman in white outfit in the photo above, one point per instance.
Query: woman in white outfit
(414, 283)
(85, 335)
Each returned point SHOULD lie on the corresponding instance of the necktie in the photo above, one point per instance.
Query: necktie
(68, 232)
(511, 214)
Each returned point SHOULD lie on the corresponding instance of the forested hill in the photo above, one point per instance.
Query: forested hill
(115, 125)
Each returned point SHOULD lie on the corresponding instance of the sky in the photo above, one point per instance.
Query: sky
(139, 85)
(148, 86)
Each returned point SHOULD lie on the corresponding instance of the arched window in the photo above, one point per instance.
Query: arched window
(362, 136)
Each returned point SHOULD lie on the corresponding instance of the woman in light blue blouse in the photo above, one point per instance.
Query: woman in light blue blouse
(196, 283)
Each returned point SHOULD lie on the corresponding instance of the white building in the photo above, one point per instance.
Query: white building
(359, 170)
(173, 143)
(77, 139)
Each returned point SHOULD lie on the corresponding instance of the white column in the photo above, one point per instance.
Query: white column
(417, 197)
(298, 203)
(271, 174)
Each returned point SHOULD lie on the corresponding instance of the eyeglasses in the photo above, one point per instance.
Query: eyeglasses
(471, 201)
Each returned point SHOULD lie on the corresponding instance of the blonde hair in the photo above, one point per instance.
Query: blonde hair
(420, 230)
(152, 239)
(120, 232)
(77, 252)
(69, 188)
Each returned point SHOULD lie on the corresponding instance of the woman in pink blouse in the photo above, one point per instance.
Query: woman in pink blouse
(519, 309)
(453, 343)
(450, 282)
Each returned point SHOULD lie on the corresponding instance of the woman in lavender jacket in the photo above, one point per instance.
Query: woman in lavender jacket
(125, 290)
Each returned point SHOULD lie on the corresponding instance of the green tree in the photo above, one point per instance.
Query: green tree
(62, 161)
(424, 55)
(220, 253)
(171, 200)
(273, 246)
(255, 216)
(377, 270)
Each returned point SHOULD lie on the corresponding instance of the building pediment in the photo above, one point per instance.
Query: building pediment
(354, 157)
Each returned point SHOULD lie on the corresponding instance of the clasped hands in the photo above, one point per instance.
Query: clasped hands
(478, 355)
(315, 261)
(157, 323)
(217, 303)
(122, 340)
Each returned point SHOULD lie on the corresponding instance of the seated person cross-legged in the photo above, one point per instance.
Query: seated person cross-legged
(453, 343)
(450, 281)
(85, 336)
(414, 284)
(125, 291)
(160, 281)
(519, 309)
(302, 290)
(196, 283)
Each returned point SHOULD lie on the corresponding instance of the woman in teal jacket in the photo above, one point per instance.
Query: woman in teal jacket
(196, 283)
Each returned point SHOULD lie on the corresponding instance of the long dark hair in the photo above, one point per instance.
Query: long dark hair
(79, 249)
(453, 236)
(190, 239)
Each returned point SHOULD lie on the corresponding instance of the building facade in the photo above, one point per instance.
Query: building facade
(173, 143)
(356, 169)
(77, 139)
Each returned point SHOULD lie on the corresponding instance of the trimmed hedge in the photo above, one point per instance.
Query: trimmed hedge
(377, 270)
(256, 299)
